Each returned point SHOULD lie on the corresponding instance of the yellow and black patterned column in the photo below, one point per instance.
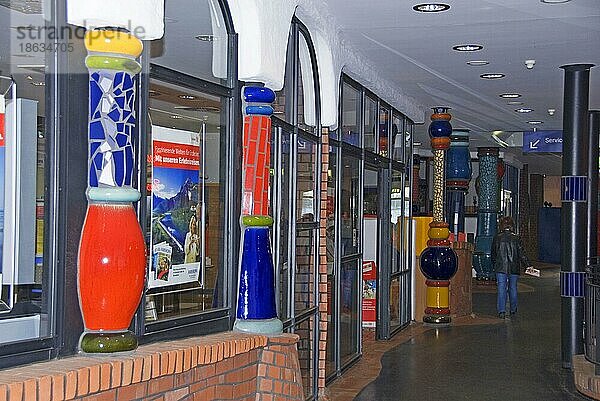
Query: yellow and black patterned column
(438, 260)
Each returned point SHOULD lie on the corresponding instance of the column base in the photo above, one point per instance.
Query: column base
(437, 320)
(108, 342)
(259, 326)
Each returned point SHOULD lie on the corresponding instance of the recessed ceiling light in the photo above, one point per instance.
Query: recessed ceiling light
(431, 7)
(534, 122)
(514, 103)
(476, 63)
(175, 117)
(555, 1)
(467, 48)
(509, 95)
(187, 97)
(38, 83)
(492, 76)
(417, 143)
(205, 38)
(524, 110)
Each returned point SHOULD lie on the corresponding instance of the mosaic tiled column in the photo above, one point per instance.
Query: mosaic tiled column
(112, 251)
(438, 261)
(487, 213)
(256, 310)
(458, 175)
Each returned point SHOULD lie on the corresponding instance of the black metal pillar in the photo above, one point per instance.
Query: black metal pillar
(592, 209)
(574, 196)
(592, 228)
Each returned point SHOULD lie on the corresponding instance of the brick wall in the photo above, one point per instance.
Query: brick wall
(323, 289)
(226, 366)
(536, 201)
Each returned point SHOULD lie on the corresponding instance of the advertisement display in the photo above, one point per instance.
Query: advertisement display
(176, 232)
(369, 302)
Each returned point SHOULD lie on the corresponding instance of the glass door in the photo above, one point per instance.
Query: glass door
(372, 246)
(349, 280)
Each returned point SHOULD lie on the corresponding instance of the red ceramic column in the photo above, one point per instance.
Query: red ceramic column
(112, 251)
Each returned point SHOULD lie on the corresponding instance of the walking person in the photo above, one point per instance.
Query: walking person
(507, 257)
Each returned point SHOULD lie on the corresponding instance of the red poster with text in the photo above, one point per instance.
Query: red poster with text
(369, 302)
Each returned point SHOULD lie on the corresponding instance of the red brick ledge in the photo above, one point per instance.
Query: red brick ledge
(585, 377)
(80, 376)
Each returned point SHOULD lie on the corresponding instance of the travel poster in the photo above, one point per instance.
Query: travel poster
(175, 238)
(369, 302)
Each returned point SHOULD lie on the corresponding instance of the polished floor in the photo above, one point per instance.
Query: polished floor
(514, 359)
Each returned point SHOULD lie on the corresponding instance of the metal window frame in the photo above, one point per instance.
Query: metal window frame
(288, 125)
(385, 167)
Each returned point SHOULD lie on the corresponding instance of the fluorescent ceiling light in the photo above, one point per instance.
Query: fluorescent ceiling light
(431, 7)
(555, 1)
(187, 97)
(514, 103)
(524, 110)
(534, 122)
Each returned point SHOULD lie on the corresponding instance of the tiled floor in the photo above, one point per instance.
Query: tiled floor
(479, 357)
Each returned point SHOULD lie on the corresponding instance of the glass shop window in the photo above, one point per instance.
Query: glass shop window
(350, 115)
(384, 131)
(398, 137)
(186, 191)
(307, 116)
(283, 104)
(370, 122)
(25, 271)
(408, 139)
(195, 40)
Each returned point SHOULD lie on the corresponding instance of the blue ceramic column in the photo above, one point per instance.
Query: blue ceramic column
(458, 175)
(487, 214)
(256, 311)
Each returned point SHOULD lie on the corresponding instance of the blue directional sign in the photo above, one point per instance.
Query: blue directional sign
(542, 141)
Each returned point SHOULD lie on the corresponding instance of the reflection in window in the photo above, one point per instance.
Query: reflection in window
(370, 122)
(283, 105)
(195, 40)
(186, 193)
(306, 181)
(349, 204)
(350, 115)
(396, 227)
(304, 291)
(384, 122)
(25, 275)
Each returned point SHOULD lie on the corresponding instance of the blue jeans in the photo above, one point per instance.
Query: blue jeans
(503, 279)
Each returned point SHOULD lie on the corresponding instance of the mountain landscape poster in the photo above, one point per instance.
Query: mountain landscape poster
(175, 239)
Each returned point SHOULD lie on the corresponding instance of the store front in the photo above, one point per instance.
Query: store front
(368, 235)
(186, 106)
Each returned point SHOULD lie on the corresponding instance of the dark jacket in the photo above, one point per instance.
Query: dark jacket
(508, 253)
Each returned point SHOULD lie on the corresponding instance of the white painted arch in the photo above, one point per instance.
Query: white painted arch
(263, 29)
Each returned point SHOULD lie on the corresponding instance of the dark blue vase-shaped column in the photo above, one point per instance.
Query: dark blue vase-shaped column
(487, 214)
(256, 311)
(458, 175)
